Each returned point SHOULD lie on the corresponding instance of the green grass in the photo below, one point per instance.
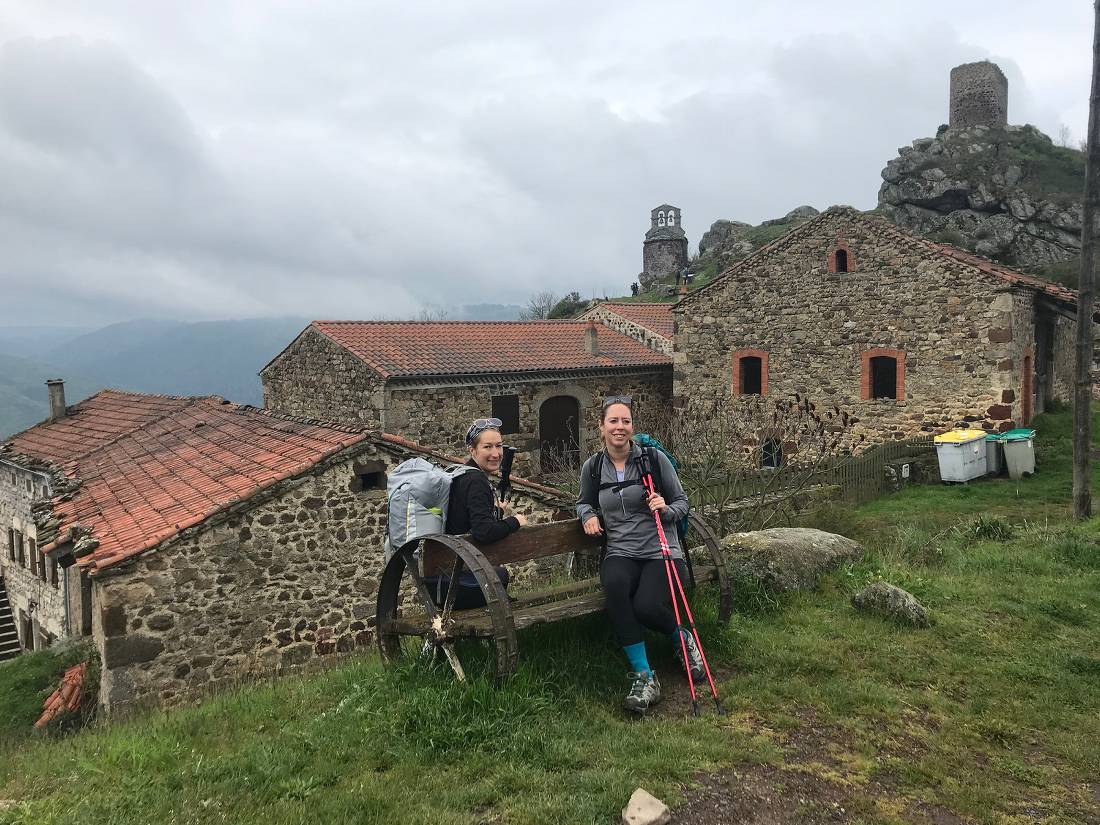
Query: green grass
(27, 680)
(991, 712)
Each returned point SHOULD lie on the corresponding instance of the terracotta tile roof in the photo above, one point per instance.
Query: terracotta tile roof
(67, 697)
(903, 238)
(93, 422)
(654, 317)
(181, 468)
(407, 349)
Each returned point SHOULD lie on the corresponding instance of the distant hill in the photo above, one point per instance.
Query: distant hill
(23, 398)
(33, 341)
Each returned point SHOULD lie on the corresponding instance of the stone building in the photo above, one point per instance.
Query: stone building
(428, 381)
(651, 324)
(665, 248)
(907, 335)
(979, 96)
(200, 542)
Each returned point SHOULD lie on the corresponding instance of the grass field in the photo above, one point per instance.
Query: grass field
(992, 715)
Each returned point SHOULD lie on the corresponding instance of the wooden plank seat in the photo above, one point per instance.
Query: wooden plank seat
(410, 624)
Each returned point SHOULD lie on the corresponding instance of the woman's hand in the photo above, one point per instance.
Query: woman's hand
(592, 526)
(656, 503)
(522, 519)
(505, 509)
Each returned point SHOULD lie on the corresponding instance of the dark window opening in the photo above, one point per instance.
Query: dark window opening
(372, 481)
(506, 408)
(20, 549)
(11, 544)
(884, 377)
(771, 454)
(841, 260)
(53, 572)
(752, 374)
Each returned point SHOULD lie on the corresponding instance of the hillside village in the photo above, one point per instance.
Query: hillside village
(122, 499)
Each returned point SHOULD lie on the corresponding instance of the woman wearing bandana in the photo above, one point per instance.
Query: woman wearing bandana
(474, 510)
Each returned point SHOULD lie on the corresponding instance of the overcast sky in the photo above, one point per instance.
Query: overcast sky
(212, 159)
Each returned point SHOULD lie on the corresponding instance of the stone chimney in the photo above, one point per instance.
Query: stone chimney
(57, 398)
(591, 343)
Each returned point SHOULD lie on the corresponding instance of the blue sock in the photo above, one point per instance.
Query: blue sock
(638, 661)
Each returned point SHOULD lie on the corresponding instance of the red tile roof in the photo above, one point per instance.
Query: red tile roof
(92, 423)
(181, 468)
(654, 317)
(408, 349)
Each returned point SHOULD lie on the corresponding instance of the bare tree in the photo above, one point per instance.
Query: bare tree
(1065, 136)
(1082, 395)
(539, 306)
(432, 313)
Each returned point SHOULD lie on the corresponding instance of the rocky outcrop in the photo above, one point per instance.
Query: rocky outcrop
(785, 559)
(727, 242)
(891, 602)
(1008, 194)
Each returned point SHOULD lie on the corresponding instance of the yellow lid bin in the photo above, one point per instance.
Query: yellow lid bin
(961, 454)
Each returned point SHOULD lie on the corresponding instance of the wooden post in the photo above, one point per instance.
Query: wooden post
(1082, 395)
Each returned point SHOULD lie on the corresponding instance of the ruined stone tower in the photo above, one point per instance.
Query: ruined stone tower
(665, 249)
(979, 96)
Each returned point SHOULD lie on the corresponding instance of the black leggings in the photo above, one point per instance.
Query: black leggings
(636, 596)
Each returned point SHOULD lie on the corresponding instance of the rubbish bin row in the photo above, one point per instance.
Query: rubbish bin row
(968, 454)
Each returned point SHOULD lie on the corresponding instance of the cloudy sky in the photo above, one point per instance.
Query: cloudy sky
(214, 159)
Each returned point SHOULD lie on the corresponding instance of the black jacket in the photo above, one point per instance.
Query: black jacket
(472, 508)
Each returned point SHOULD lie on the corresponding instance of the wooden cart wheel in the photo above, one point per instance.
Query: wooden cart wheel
(414, 624)
(703, 548)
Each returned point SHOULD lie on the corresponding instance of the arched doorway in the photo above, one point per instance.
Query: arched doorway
(559, 434)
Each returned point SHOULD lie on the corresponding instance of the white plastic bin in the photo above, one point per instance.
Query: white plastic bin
(961, 454)
(1020, 453)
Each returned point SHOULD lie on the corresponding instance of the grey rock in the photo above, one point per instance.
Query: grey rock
(893, 603)
(645, 809)
(785, 559)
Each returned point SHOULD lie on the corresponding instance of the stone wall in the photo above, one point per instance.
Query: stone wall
(288, 578)
(960, 333)
(438, 415)
(661, 260)
(42, 602)
(607, 317)
(317, 378)
(979, 96)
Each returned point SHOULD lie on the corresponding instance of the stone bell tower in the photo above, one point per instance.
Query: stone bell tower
(665, 249)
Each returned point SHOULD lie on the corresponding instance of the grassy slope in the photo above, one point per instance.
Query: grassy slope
(989, 713)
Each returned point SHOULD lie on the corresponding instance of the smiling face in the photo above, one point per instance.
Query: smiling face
(617, 427)
(487, 450)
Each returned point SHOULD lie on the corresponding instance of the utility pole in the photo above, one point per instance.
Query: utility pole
(1082, 395)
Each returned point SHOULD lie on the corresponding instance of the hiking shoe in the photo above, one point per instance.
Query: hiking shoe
(645, 692)
(695, 661)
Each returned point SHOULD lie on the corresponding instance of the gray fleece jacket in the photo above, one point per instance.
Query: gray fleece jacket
(627, 519)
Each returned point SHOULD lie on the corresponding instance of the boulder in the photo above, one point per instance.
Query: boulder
(893, 603)
(785, 559)
(645, 809)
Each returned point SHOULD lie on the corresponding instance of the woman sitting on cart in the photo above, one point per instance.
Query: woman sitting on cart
(633, 574)
(474, 510)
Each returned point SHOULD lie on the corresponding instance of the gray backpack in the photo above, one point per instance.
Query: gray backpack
(418, 492)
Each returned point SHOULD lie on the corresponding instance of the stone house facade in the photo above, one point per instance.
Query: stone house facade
(650, 324)
(218, 542)
(907, 335)
(544, 379)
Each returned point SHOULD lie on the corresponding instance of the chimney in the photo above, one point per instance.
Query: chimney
(591, 345)
(57, 398)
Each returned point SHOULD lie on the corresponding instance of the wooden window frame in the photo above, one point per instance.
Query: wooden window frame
(737, 355)
(899, 381)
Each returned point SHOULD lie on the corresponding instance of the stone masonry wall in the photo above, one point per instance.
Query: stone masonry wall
(628, 328)
(276, 585)
(41, 601)
(316, 378)
(958, 331)
(662, 259)
(978, 96)
(439, 416)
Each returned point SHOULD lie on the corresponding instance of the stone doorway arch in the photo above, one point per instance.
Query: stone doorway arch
(559, 433)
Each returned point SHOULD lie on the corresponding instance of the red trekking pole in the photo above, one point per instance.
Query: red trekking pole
(671, 572)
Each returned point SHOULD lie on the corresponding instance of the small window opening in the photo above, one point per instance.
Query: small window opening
(373, 481)
(841, 260)
(53, 572)
(751, 375)
(884, 377)
(20, 549)
(506, 408)
(11, 544)
(771, 454)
